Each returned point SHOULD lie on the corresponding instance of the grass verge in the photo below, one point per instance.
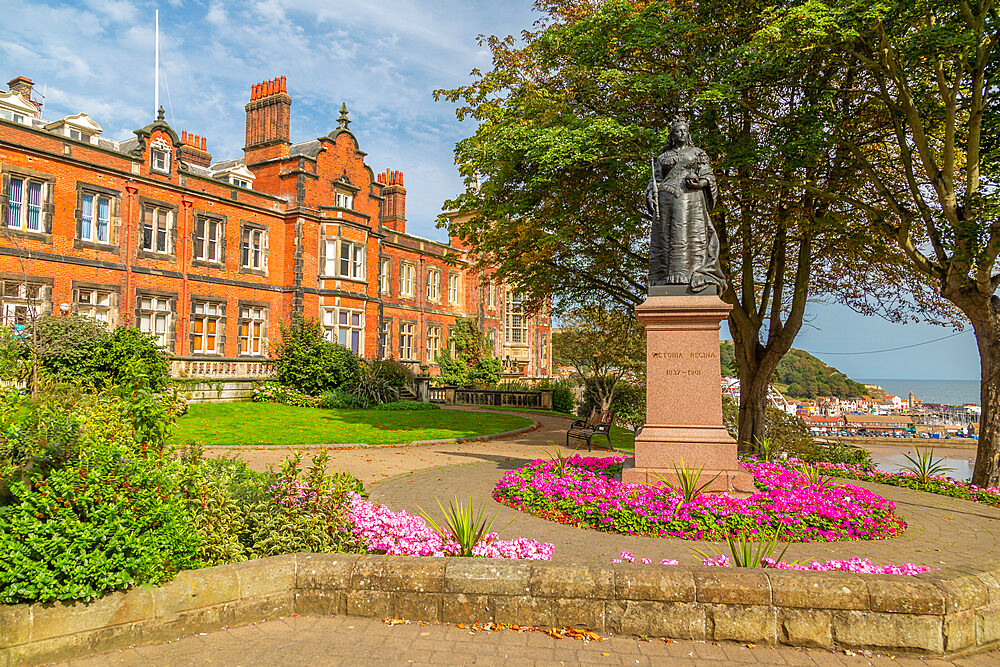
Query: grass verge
(221, 424)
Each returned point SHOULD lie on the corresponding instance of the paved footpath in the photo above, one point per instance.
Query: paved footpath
(343, 640)
(941, 531)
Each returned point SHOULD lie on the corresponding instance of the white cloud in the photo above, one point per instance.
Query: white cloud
(217, 15)
(119, 11)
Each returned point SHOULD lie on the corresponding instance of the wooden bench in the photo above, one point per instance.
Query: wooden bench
(598, 423)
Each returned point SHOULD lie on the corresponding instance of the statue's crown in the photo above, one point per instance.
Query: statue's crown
(679, 120)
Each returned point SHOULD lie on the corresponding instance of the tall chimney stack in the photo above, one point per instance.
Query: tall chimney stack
(394, 205)
(268, 119)
(193, 150)
(23, 86)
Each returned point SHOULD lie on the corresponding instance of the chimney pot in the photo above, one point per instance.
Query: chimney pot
(203, 144)
(184, 136)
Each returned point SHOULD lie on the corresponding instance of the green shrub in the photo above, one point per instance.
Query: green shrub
(223, 495)
(270, 392)
(128, 357)
(337, 399)
(12, 363)
(487, 372)
(76, 349)
(103, 521)
(396, 406)
(349, 482)
(66, 346)
(307, 362)
(452, 371)
(563, 397)
(397, 374)
(64, 419)
(306, 513)
(375, 385)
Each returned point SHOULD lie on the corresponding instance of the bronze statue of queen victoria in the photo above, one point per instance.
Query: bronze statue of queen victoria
(684, 247)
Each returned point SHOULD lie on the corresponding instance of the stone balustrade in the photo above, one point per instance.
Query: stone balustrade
(945, 612)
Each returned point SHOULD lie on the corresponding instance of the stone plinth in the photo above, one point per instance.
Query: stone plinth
(684, 396)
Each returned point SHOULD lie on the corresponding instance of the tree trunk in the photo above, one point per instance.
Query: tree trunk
(752, 422)
(986, 324)
(757, 364)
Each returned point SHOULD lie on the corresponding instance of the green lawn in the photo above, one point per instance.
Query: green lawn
(213, 424)
(622, 438)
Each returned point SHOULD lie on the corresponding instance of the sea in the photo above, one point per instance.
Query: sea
(949, 392)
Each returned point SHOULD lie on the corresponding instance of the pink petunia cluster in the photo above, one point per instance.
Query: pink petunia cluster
(627, 557)
(403, 534)
(786, 504)
(938, 483)
(856, 565)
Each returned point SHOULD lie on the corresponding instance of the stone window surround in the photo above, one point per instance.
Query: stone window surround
(171, 255)
(434, 272)
(337, 241)
(221, 248)
(220, 334)
(7, 171)
(414, 281)
(114, 289)
(414, 341)
(171, 297)
(386, 352)
(385, 274)
(240, 305)
(265, 249)
(458, 289)
(114, 233)
(44, 301)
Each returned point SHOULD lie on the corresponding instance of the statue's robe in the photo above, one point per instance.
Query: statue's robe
(683, 244)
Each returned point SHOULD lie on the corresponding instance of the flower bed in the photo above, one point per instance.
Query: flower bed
(402, 534)
(941, 485)
(787, 504)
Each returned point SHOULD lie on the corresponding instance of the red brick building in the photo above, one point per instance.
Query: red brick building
(209, 256)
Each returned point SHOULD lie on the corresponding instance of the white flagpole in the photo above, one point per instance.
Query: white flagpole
(156, 69)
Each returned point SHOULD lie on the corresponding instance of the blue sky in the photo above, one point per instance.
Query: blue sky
(383, 59)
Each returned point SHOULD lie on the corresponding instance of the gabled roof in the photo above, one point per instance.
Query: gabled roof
(13, 100)
(80, 121)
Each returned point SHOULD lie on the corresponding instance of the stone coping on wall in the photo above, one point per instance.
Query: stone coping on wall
(945, 612)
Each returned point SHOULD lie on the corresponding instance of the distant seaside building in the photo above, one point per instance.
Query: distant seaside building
(210, 255)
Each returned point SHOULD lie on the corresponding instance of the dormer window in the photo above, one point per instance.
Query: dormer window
(159, 160)
(78, 127)
(343, 200)
(7, 114)
(16, 109)
(237, 176)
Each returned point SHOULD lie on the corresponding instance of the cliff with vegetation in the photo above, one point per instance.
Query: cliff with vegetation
(801, 375)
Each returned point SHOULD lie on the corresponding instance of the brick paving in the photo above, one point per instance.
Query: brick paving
(344, 640)
(941, 531)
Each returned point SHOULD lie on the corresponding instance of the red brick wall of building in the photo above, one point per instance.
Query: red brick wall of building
(294, 199)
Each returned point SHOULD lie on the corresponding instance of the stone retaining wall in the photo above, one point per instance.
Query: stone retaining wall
(218, 391)
(946, 612)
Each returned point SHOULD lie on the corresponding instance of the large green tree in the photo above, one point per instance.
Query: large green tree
(917, 117)
(567, 120)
